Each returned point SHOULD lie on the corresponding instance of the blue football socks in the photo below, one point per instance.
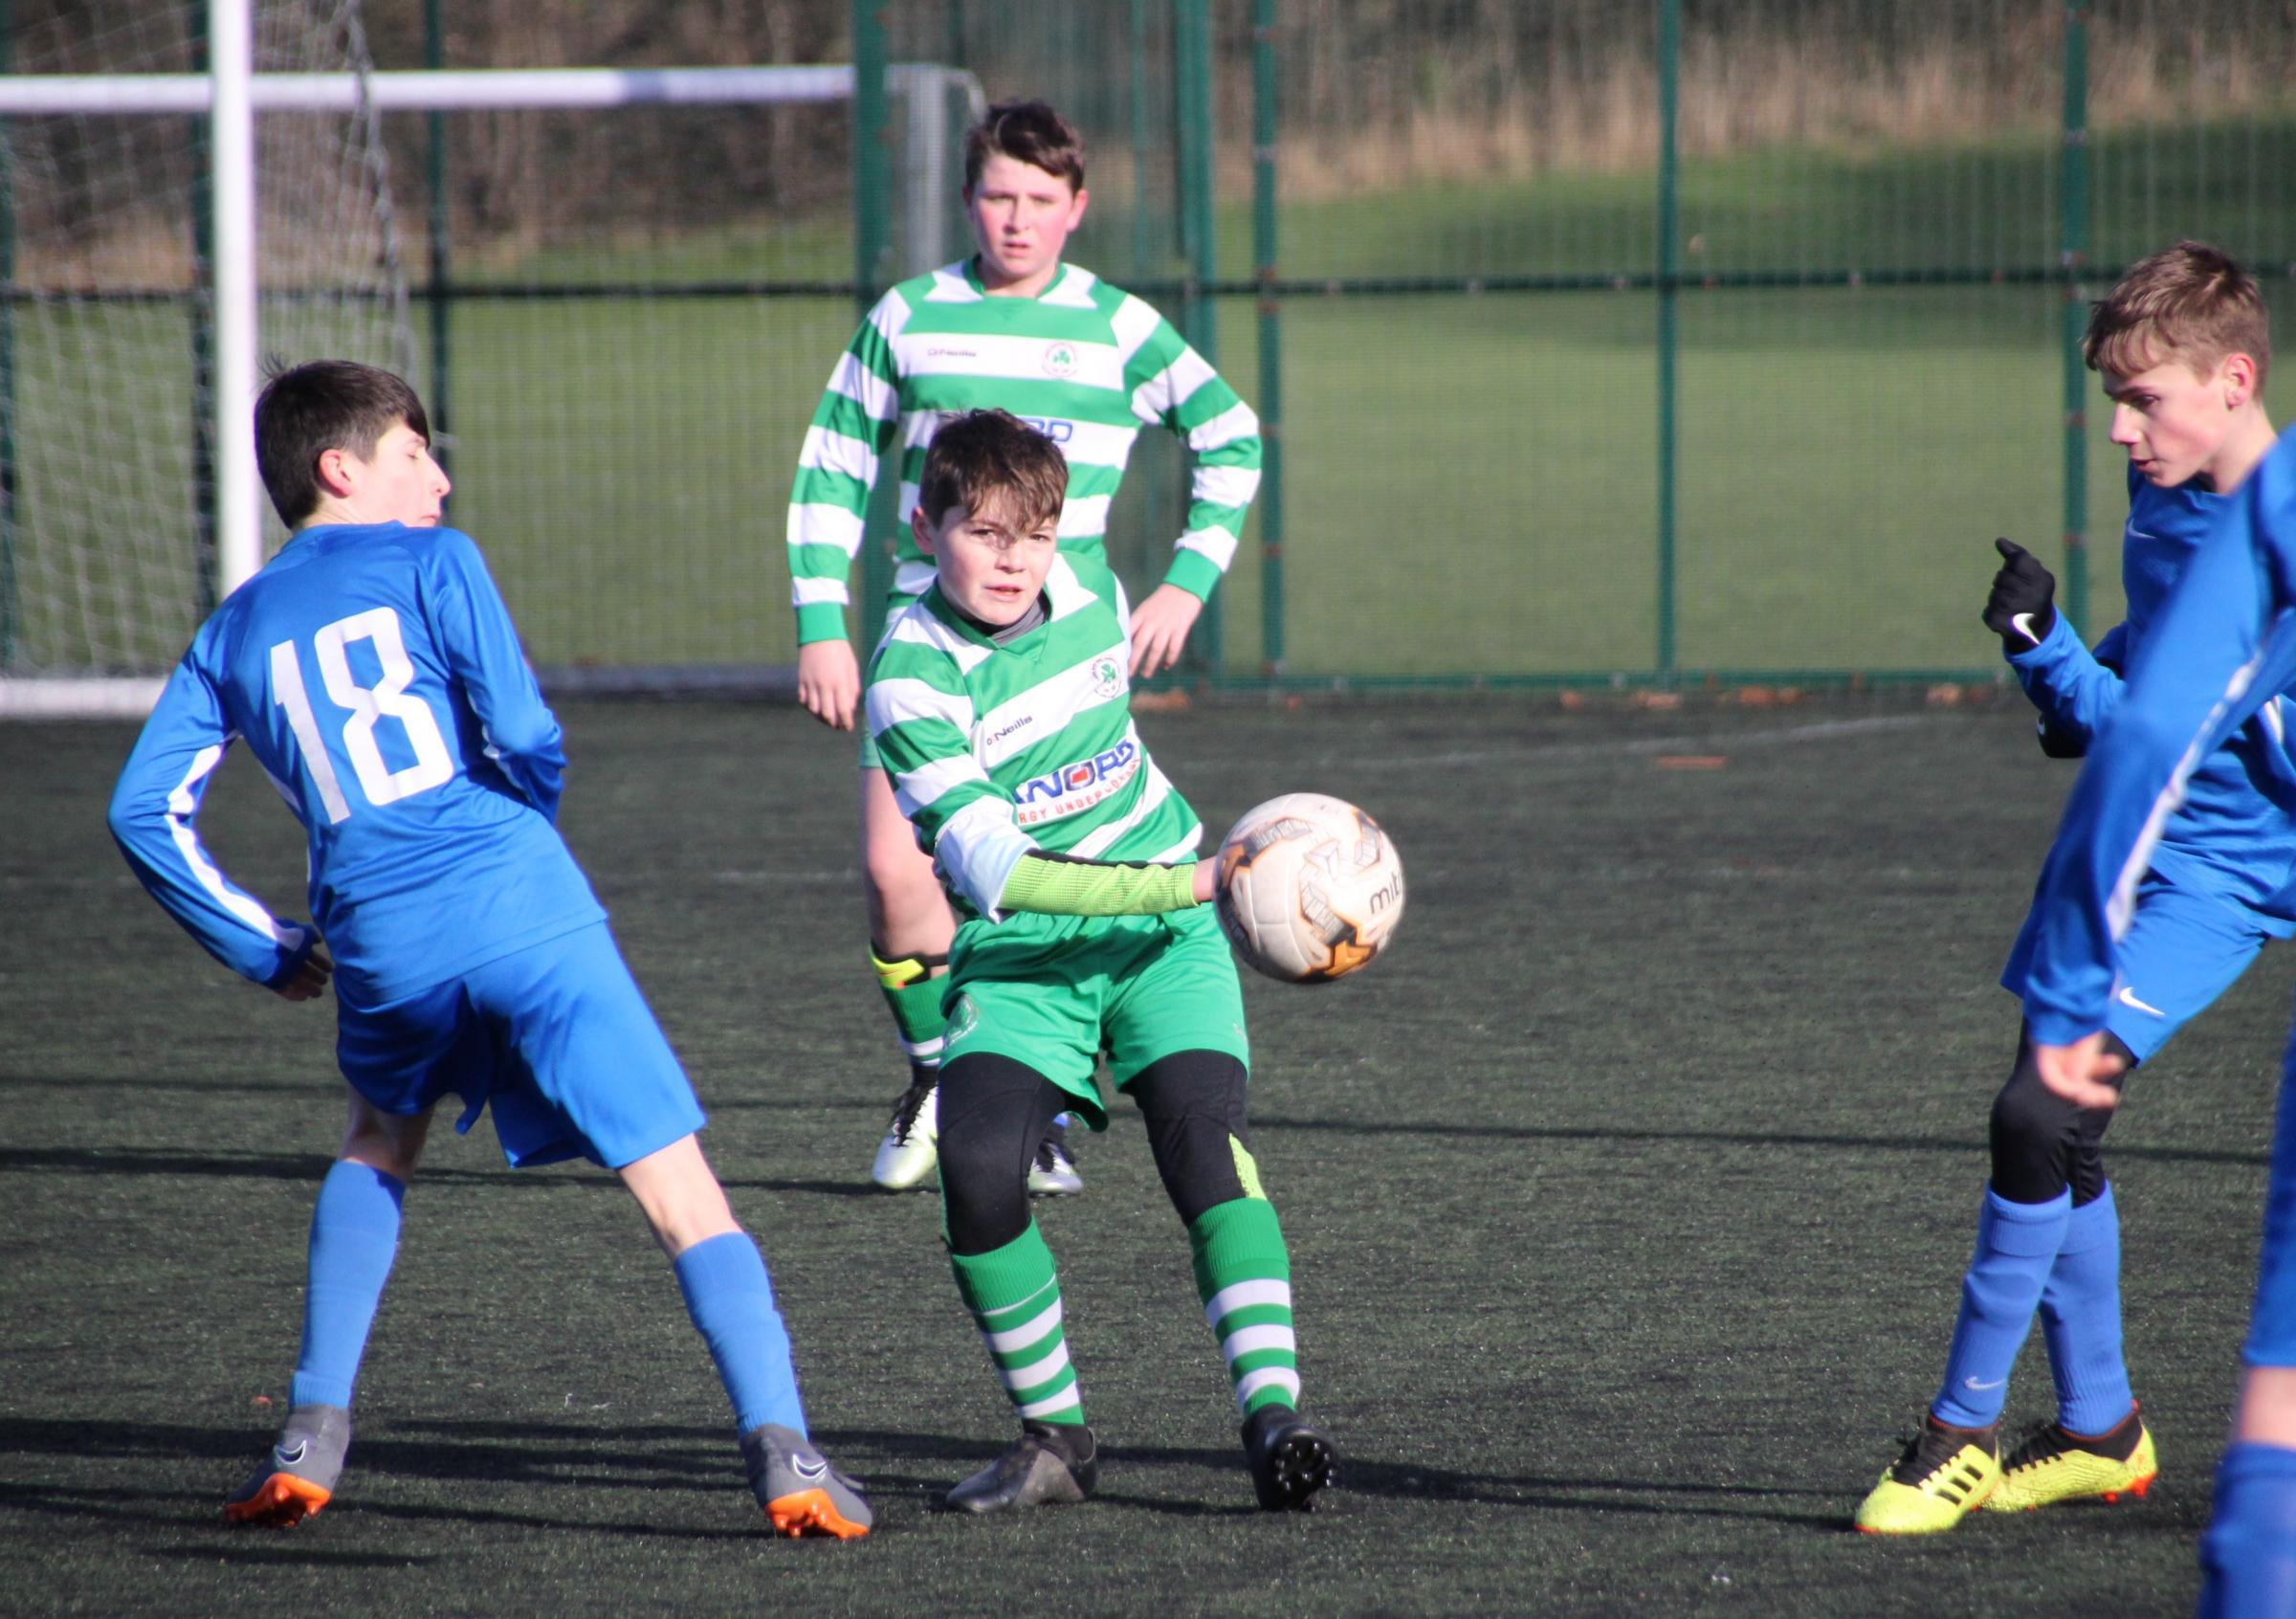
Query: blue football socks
(2016, 1246)
(731, 1301)
(2248, 1556)
(2081, 1321)
(354, 1238)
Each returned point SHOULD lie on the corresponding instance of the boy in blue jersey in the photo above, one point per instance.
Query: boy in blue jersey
(2182, 344)
(2222, 649)
(374, 673)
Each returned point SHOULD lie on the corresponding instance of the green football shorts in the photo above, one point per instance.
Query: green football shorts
(1058, 992)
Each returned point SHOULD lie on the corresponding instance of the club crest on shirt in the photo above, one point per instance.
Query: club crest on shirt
(1060, 359)
(1106, 675)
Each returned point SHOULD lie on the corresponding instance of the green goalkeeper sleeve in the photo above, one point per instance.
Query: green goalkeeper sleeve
(1064, 886)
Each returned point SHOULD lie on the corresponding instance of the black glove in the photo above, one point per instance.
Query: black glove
(2025, 589)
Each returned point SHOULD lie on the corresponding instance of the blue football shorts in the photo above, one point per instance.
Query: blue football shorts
(554, 1040)
(2183, 951)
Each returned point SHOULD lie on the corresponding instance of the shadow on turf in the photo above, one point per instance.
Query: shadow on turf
(320, 1085)
(1973, 1144)
(313, 1167)
(664, 1456)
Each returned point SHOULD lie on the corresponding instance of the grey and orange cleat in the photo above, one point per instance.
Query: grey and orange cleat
(1054, 1464)
(298, 1476)
(1291, 1462)
(798, 1490)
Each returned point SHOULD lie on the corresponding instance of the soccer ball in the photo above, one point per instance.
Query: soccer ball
(1310, 888)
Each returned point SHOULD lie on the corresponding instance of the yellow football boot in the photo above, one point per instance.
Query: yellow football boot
(2052, 1464)
(1945, 1474)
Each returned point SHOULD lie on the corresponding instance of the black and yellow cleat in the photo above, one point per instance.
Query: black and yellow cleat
(1944, 1474)
(2051, 1465)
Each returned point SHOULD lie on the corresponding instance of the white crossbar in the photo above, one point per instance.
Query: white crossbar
(39, 95)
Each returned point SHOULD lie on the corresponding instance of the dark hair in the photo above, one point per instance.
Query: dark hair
(1029, 132)
(325, 405)
(2190, 302)
(990, 457)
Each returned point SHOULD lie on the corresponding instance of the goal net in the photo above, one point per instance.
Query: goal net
(107, 558)
(638, 282)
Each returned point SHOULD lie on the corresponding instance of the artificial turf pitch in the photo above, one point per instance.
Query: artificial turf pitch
(1627, 1197)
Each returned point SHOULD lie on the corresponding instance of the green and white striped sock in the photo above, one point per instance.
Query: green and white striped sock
(1014, 1294)
(1244, 1277)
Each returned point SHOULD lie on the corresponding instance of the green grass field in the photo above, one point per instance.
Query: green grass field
(1628, 1198)
(1470, 479)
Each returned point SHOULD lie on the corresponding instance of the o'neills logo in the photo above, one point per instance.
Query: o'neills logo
(1072, 789)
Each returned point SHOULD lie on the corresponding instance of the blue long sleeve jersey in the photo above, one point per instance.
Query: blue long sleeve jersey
(2221, 646)
(375, 675)
(2227, 838)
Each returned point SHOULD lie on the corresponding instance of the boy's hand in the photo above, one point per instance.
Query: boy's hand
(2078, 1072)
(829, 682)
(2021, 608)
(1207, 880)
(309, 979)
(1159, 628)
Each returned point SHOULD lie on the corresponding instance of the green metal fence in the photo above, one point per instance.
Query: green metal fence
(1650, 342)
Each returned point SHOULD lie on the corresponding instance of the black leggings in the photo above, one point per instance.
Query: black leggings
(2042, 1144)
(994, 1110)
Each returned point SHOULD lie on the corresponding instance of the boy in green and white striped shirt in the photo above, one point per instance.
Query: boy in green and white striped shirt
(997, 702)
(1088, 365)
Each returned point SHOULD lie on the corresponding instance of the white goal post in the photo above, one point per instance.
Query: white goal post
(231, 95)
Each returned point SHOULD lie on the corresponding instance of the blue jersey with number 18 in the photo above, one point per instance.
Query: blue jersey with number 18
(376, 676)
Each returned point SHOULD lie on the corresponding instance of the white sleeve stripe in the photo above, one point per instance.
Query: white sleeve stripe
(819, 523)
(1236, 422)
(891, 315)
(898, 702)
(1133, 325)
(812, 592)
(932, 781)
(181, 804)
(1084, 516)
(1216, 544)
(1169, 387)
(2120, 909)
(865, 388)
(1224, 486)
(825, 451)
(977, 849)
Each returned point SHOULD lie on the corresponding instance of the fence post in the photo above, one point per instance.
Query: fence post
(1192, 75)
(202, 306)
(1669, 268)
(8, 367)
(2073, 259)
(1264, 132)
(434, 57)
(872, 189)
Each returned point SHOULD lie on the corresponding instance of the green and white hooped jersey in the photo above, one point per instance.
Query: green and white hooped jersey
(998, 749)
(1084, 363)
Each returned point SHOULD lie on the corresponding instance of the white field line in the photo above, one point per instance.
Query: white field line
(1825, 731)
